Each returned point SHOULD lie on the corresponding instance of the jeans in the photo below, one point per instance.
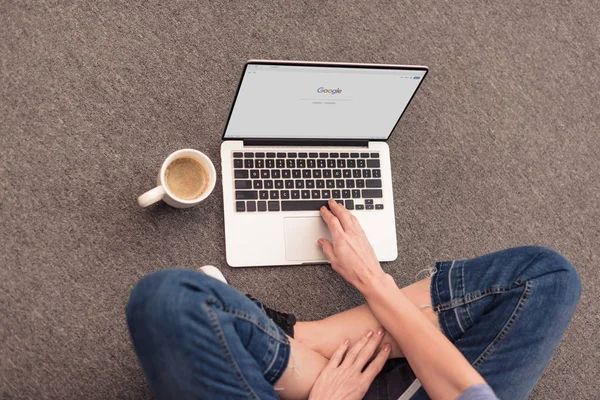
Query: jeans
(196, 337)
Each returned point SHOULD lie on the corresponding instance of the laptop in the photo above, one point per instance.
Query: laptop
(298, 134)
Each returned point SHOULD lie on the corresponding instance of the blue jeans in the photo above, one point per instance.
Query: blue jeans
(506, 312)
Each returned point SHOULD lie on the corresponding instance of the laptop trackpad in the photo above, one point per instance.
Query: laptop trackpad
(301, 235)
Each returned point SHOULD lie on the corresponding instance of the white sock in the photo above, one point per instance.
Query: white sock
(213, 272)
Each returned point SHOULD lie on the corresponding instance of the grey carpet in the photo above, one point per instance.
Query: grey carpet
(499, 148)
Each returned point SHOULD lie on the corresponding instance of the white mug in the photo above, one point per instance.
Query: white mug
(162, 192)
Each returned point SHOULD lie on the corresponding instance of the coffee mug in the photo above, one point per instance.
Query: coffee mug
(186, 178)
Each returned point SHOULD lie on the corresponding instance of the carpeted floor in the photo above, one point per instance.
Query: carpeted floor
(499, 148)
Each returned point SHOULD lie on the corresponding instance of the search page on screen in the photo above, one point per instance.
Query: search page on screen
(309, 102)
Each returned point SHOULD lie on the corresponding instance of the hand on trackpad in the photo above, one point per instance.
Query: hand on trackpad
(301, 235)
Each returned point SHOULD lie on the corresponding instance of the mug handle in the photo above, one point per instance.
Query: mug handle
(151, 196)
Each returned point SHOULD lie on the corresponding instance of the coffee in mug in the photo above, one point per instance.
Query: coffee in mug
(186, 178)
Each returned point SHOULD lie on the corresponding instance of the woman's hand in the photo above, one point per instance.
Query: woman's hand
(351, 255)
(342, 377)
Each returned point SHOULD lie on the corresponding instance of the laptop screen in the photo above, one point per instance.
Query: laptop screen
(287, 101)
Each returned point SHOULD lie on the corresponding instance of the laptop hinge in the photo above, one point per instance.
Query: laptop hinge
(306, 142)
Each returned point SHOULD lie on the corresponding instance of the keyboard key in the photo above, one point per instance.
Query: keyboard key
(240, 206)
(291, 163)
(296, 173)
(302, 155)
(372, 193)
(351, 163)
(331, 163)
(344, 155)
(260, 163)
(315, 194)
(306, 173)
(295, 194)
(369, 201)
(341, 163)
(376, 173)
(311, 163)
(262, 205)
(273, 206)
(349, 204)
(379, 206)
(366, 173)
(285, 194)
(347, 173)
(356, 173)
(373, 183)
(265, 174)
(350, 183)
(278, 184)
(289, 184)
(259, 155)
(336, 194)
(292, 155)
(360, 163)
(240, 174)
(373, 164)
(346, 194)
(263, 194)
(248, 163)
(246, 195)
(249, 155)
(276, 174)
(354, 155)
(337, 173)
(369, 206)
(364, 155)
(270, 155)
(251, 206)
(280, 163)
(301, 163)
(360, 207)
(270, 163)
(243, 184)
(360, 183)
(238, 155)
(254, 174)
(258, 185)
(374, 155)
(326, 194)
(280, 155)
(274, 194)
(305, 194)
(334, 155)
(313, 155)
(286, 173)
(316, 173)
(299, 184)
(330, 183)
(339, 184)
(238, 164)
(320, 184)
(326, 173)
(310, 184)
(268, 184)
(306, 205)
(355, 193)
(321, 163)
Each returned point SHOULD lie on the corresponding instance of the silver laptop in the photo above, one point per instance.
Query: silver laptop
(298, 134)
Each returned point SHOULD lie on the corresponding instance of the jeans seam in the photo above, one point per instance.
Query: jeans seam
(506, 328)
(245, 316)
(216, 325)
(472, 297)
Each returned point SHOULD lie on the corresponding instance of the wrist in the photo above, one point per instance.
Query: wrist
(377, 283)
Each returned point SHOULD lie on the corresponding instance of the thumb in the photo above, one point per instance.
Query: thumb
(327, 248)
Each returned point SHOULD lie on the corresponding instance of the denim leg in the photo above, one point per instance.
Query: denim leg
(196, 337)
(506, 312)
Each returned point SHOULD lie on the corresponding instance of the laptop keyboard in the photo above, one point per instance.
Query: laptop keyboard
(288, 181)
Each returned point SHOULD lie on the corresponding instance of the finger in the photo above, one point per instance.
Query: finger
(332, 222)
(343, 215)
(357, 227)
(367, 352)
(377, 364)
(327, 248)
(338, 355)
(356, 348)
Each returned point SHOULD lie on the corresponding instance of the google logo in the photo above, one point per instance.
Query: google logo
(329, 91)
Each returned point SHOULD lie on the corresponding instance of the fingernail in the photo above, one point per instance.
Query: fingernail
(346, 342)
(380, 331)
(370, 333)
(386, 347)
